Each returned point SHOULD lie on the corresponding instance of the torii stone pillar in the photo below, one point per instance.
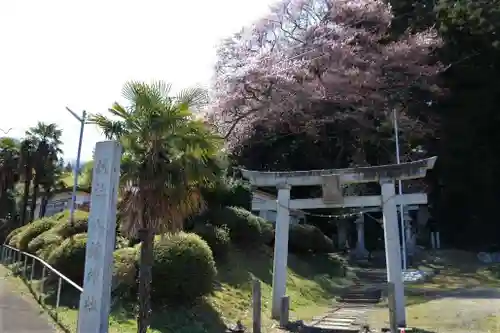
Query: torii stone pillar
(331, 182)
(392, 248)
(280, 264)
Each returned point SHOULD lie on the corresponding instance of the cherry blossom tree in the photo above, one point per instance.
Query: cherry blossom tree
(319, 61)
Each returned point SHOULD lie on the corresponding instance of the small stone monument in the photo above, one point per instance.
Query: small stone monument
(95, 301)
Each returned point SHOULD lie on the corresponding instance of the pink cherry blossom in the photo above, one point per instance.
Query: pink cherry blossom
(307, 53)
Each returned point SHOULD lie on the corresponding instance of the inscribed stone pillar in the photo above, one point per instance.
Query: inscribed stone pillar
(281, 248)
(361, 251)
(93, 316)
(393, 249)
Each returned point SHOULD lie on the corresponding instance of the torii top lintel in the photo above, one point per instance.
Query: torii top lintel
(403, 171)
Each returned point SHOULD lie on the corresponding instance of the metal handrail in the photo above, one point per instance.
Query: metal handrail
(11, 255)
(52, 269)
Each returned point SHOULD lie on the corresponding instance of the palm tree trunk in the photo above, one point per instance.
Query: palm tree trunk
(34, 197)
(26, 195)
(145, 277)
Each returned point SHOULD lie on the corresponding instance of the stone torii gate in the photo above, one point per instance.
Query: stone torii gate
(331, 182)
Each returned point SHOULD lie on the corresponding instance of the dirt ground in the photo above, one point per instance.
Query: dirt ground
(464, 297)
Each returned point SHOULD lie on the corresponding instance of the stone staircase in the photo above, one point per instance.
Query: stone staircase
(353, 304)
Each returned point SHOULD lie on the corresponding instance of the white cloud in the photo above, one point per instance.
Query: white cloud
(55, 54)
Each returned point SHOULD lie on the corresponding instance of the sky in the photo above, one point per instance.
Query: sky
(78, 54)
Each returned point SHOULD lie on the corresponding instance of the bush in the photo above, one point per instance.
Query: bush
(33, 230)
(228, 192)
(66, 229)
(125, 271)
(13, 234)
(305, 238)
(64, 216)
(183, 269)
(217, 239)
(244, 227)
(44, 243)
(69, 257)
(121, 242)
(267, 232)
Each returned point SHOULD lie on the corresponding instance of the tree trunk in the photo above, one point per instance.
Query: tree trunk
(43, 206)
(145, 267)
(26, 195)
(34, 197)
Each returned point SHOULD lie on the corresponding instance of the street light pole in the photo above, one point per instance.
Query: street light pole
(82, 121)
(400, 191)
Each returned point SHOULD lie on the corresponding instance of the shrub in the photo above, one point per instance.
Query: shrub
(125, 271)
(217, 239)
(13, 234)
(66, 229)
(228, 192)
(64, 216)
(183, 269)
(33, 230)
(244, 227)
(121, 242)
(267, 232)
(305, 238)
(44, 243)
(69, 257)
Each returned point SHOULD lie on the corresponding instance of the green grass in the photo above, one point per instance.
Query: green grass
(313, 281)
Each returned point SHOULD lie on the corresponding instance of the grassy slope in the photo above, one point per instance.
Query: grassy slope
(312, 283)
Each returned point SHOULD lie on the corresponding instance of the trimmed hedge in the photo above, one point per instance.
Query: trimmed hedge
(44, 243)
(217, 238)
(125, 270)
(12, 237)
(304, 238)
(244, 227)
(32, 231)
(69, 257)
(66, 229)
(267, 232)
(183, 270)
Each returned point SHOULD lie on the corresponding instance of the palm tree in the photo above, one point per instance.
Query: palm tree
(167, 156)
(50, 183)
(47, 142)
(9, 175)
(27, 157)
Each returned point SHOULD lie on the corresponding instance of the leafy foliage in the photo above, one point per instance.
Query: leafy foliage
(183, 270)
(125, 271)
(32, 231)
(69, 257)
(217, 239)
(305, 238)
(244, 227)
(43, 244)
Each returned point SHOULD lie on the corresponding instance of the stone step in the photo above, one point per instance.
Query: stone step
(359, 300)
(339, 320)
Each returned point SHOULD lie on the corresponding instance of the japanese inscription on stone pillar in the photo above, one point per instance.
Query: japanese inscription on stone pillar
(95, 300)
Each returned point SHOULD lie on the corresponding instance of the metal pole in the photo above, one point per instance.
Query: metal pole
(400, 192)
(77, 167)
